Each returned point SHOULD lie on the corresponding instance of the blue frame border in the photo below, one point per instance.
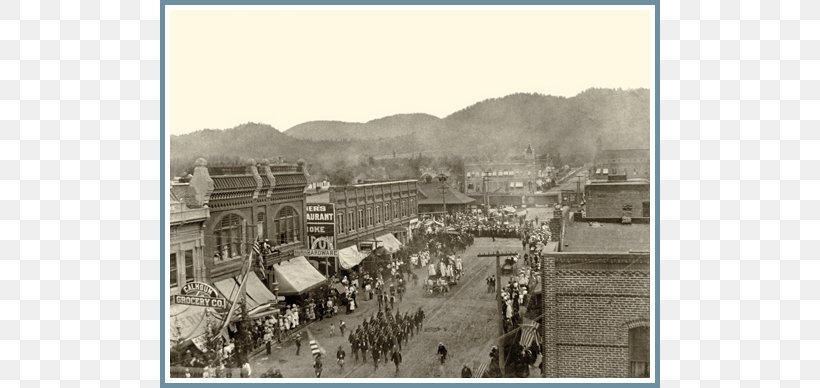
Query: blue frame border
(164, 193)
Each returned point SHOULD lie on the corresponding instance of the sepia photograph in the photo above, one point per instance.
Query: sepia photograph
(418, 193)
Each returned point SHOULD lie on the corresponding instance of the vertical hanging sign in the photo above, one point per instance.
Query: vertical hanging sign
(321, 230)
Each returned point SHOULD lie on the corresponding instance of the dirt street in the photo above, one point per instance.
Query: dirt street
(464, 319)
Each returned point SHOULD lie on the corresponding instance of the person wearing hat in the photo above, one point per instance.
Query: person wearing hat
(466, 372)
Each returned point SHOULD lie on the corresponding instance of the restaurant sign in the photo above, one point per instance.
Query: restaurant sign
(199, 294)
(321, 230)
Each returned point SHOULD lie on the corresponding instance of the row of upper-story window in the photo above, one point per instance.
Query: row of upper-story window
(378, 196)
(364, 216)
(479, 174)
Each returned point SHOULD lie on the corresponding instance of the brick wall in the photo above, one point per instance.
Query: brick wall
(591, 362)
(607, 201)
(595, 300)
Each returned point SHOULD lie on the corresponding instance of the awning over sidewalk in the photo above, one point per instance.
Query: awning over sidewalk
(389, 242)
(296, 276)
(259, 300)
(350, 257)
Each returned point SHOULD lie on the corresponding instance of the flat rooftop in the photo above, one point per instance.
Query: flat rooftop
(605, 237)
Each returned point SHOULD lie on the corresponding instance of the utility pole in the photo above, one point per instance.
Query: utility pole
(500, 340)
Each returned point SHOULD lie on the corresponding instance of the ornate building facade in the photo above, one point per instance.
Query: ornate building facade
(258, 200)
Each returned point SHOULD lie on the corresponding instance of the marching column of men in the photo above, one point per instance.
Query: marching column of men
(382, 336)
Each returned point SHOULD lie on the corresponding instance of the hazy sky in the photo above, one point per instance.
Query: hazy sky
(284, 67)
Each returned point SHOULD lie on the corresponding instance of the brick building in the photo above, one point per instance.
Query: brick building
(626, 163)
(264, 201)
(597, 290)
(597, 315)
(370, 214)
(613, 199)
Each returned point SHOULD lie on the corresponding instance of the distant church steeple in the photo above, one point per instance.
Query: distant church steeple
(529, 154)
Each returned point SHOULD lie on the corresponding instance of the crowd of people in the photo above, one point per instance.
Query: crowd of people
(436, 248)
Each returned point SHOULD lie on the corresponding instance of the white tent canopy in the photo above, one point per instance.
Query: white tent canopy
(296, 276)
(256, 293)
(389, 242)
(350, 257)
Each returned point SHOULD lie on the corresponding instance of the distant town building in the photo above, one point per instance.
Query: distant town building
(510, 183)
(436, 196)
(317, 186)
(622, 164)
(618, 186)
(626, 201)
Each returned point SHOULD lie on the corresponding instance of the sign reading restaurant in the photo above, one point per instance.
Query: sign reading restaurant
(321, 230)
(199, 294)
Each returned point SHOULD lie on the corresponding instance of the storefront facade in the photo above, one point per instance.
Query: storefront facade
(367, 213)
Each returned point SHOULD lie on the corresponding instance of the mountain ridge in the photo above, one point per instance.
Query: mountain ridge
(495, 127)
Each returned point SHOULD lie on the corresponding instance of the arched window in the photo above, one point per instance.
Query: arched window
(341, 217)
(287, 226)
(229, 236)
(639, 351)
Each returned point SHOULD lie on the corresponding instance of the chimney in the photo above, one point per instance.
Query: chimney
(201, 182)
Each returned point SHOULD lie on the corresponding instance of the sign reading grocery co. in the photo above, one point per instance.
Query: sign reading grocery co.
(199, 294)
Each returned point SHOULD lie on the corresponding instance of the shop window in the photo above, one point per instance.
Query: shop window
(645, 209)
(174, 275)
(229, 237)
(639, 352)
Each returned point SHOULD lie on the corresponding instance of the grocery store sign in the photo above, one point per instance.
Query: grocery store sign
(199, 294)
